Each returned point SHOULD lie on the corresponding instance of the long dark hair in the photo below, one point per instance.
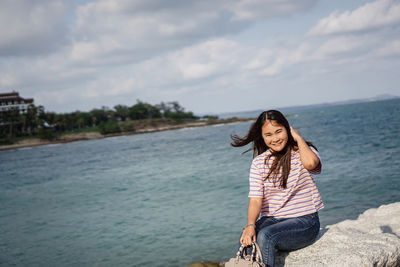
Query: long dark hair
(281, 158)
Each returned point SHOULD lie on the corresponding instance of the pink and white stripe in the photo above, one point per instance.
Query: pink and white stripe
(301, 196)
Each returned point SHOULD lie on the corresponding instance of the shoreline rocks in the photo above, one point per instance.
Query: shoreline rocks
(371, 240)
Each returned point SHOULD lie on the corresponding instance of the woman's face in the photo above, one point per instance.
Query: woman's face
(275, 135)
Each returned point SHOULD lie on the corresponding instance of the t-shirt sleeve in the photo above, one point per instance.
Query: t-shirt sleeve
(316, 170)
(256, 181)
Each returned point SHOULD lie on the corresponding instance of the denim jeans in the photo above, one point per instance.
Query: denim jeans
(284, 234)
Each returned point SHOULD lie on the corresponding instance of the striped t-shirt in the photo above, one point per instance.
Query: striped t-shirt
(301, 195)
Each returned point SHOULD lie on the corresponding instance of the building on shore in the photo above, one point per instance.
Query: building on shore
(13, 100)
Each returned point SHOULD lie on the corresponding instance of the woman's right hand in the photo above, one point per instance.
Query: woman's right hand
(248, 236)
(249, 232)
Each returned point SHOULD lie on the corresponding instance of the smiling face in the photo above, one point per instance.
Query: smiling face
(275, 135)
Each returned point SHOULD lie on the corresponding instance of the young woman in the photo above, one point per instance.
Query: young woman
(284, 200)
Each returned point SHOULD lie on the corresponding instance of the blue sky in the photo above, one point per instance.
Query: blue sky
(211, 56)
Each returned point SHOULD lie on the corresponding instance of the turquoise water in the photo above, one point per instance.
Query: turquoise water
(177, 197)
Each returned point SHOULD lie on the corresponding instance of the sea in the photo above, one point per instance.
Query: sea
(178, 197)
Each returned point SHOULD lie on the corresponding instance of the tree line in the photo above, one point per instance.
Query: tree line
(36, 121)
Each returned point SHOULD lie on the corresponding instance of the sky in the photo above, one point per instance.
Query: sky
(212, 56)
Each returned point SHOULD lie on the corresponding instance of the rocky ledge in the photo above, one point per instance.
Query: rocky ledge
(371, 240)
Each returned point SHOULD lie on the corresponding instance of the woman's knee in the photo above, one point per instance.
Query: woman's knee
(265, 237)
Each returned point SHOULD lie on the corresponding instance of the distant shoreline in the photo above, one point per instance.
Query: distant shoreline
(82, 136)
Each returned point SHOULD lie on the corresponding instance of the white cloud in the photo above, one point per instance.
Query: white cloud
(206, 59)
(260, 60)
(277, 59)
(148, 28)
(258, 9)
(273, 61)
(31, 27)
(115, 87)
(8, 80)
(389, 49)
(156, 50)
(344, 46)
(370, 16)
(106, 33)
(95, 51)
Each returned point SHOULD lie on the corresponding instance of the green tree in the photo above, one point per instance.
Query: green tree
(122, 112)
(31, 117)
(50, 118)
(176, 107)
(210, 117)
(40, 116)
(23, 120)
(142, 110)
(36, 120)
(111, 115)
(109, 127)
(163, 108)
(98, 116)
(175, 111)
(13, 120)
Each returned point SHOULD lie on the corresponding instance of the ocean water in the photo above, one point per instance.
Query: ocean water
(178, 197)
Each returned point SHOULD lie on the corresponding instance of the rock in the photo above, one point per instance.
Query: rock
(206, 264)
(371, 240)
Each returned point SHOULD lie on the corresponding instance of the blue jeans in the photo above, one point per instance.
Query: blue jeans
(284, 234)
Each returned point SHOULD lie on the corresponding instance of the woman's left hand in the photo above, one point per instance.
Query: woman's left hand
(296, 135)
(307, 156)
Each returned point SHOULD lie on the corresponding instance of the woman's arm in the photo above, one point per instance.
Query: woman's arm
(307, 156)
(249, 232)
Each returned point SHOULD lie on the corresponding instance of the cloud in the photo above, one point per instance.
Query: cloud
(120, 32)
(206, 59)
(107, 33)
(259, 9)
(371, 16)
(106, 52)
(285, 58)
(163, 78)
(31, 27)
(358, 39)
(390, 49)
(344, 47)
(272, 61)
(7, 80)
